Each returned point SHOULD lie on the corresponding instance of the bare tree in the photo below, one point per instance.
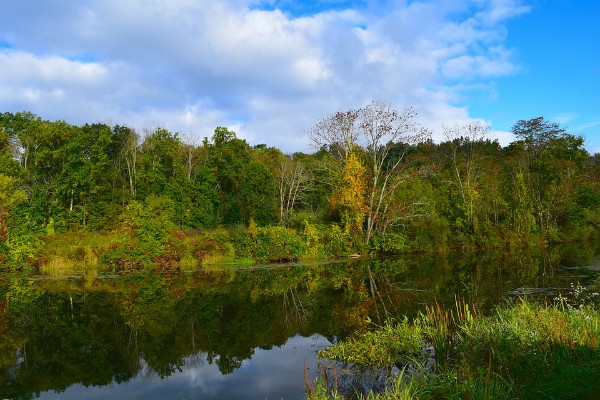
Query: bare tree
(190, 145)
(338, 132)
(129, 156)
(376, 128)
(292, 180)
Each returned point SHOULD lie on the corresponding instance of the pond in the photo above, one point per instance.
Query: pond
(240, 332)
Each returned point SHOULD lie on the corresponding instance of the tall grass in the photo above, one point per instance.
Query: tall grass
(458, 354)
(68, 253)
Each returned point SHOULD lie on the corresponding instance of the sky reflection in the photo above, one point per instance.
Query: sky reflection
(270, 374)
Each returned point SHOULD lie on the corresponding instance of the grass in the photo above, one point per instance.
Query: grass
(521, 350)
(68, 253)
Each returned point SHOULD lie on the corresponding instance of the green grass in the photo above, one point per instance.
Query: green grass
(522, 350)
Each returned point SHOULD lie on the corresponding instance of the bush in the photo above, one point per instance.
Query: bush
(151, 220)
(215, 246)
(391, 243)
(276, 243)
(129, 255)
(336, 242)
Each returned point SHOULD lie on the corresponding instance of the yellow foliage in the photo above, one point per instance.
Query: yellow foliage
(351, 197)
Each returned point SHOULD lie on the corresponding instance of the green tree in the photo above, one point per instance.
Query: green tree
(246, 187)
(10, 198)
(551, 162)
(159, 170)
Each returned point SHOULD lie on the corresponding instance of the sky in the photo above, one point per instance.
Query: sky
(269, 69)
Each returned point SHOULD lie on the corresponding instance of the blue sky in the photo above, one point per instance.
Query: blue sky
(557, 49)
(268, 69)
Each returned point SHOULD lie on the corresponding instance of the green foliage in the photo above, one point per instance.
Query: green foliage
(336, 242)
(267, 244)
(246, 187)
(129, 255)
(467, 192)
(276, 243)
(216, 246)
(23, 252)
(400, 344)
(391, 243)
(16, 246)
(151, 220)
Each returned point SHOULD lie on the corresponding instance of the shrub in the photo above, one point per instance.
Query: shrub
(214, 246)
(391, 243)
(151, 220)
(129, 255)
(336, 242)
(276, 243)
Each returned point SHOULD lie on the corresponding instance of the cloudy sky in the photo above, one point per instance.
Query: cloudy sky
(268, 69)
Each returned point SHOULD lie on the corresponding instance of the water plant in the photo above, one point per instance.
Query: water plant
(459, 353)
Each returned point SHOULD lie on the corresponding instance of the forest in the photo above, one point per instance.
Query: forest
(376, 184)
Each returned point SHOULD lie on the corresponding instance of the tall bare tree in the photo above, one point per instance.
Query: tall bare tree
(190, 147)
(292, 181)
(377, 128)
(128, 156)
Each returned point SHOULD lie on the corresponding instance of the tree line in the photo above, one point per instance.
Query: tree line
(377, 180)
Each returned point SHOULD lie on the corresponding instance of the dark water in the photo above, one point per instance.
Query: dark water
(240, 333)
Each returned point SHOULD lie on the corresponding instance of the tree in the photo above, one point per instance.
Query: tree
(292, 182)
(189, 154)
(551, 161)
(466, 164)
(159, 170)
(351, 195)
(246, 187)
(10, 198)
(376, 128)
(291, 176)
(125, 155)
(21, 128)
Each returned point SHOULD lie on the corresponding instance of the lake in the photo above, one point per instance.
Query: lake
(241, 332)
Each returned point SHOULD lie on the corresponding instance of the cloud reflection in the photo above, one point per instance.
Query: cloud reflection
(270, 374)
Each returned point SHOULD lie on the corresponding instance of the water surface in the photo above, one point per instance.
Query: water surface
(246, 332)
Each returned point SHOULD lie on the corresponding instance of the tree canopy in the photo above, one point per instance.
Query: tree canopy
(376, 176)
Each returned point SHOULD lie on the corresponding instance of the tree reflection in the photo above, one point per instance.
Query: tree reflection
(56, 333)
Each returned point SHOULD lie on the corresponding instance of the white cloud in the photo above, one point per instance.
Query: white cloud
(564, 118)
(504, 137)
(25, 68)
(192, 65)
(587, 125)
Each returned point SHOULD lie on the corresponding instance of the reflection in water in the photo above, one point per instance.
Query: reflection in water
(213, 333)
(270, 374)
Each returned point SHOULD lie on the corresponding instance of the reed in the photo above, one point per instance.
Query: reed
(458, 353)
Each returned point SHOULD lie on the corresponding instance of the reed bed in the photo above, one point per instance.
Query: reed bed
(522, 350)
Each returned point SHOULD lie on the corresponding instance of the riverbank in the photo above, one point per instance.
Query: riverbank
(521, 350)
(124, 251)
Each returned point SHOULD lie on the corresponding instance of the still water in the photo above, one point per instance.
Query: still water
(240, 333)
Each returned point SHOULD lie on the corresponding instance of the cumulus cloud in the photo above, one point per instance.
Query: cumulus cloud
(259, 67)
